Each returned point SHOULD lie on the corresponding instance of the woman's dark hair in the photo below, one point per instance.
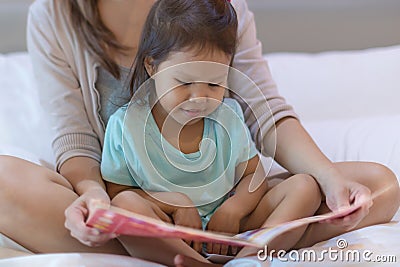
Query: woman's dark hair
(176, 24)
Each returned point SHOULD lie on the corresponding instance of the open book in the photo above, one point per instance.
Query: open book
(120, 221)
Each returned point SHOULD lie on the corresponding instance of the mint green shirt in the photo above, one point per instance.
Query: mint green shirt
(136, 154)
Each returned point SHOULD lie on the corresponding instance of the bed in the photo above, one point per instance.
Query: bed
(356, 93)
(358, 118)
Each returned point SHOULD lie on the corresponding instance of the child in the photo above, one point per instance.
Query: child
(179, 148)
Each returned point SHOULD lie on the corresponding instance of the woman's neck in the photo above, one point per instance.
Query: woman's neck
(125, 19)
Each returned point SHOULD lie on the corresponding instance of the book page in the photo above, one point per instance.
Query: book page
(120, 221)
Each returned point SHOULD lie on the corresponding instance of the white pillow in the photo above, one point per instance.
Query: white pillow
(347, 100)
(341, 84)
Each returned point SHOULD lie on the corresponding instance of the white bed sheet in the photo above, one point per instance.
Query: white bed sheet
(347, 135)
(76, 260)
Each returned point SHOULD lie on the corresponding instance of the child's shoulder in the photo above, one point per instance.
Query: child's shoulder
(120, 112)
(132, 112)
(228, 112)
(131, 107)
(232, 103)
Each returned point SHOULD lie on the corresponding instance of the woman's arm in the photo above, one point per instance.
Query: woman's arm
(83, 173)
(273, 123)
(271, 120)
(252, 84)
(298, 153)
(296, 150)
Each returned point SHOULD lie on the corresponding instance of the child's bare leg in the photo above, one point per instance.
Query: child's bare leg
(33, 200)
(155, 249)
(296, 197)
(375, 177)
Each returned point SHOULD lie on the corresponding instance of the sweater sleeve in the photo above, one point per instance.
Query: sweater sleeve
(251, 82)
(59, 88)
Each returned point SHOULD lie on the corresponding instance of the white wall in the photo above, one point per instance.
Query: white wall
(283, 25)
(13, 24)
(318, 25)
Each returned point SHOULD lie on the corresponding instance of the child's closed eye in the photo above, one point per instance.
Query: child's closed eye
(183, 83)
(213, 84)
(189, 83)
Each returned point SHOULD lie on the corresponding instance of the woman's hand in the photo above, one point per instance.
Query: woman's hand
(341, 193)
(77, 213)
(224, 220)
(297, 152)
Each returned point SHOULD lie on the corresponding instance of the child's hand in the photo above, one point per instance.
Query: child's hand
(224, 221)
(189, 217)
(183, 212)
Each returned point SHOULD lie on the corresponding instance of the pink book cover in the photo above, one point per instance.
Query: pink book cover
(123, 222)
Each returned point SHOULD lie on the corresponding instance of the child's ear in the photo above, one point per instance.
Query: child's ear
(148, 64)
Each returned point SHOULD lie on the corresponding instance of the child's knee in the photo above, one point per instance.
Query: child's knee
(131, 201)
(306, 186)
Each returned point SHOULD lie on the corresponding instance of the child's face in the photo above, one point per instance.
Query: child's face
(190, 85)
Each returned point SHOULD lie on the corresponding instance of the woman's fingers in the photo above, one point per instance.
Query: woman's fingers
(75, 221)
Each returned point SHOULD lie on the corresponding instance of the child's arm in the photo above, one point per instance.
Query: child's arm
(243, 202)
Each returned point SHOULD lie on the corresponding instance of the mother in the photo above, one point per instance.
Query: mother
(80, 50)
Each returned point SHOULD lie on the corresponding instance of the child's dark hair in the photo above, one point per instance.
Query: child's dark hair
(176, 24)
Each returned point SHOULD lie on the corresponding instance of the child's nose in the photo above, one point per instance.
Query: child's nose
(198, 92)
